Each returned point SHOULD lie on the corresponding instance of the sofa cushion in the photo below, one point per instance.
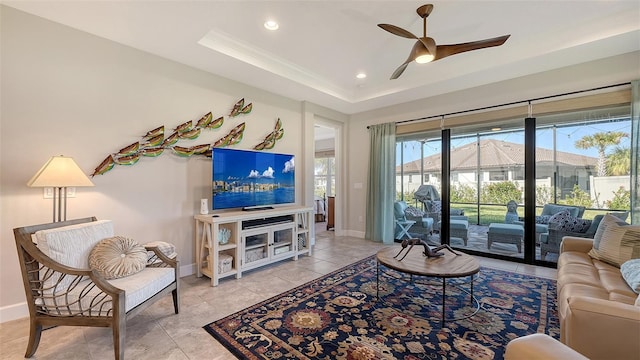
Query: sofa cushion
(117, 257)
(616, 242)
(630, 270)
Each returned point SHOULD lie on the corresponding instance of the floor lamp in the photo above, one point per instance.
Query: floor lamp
(59, 173)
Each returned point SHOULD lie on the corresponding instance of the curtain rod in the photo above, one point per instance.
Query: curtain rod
(509, 104)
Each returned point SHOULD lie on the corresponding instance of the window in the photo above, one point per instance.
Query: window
(325, 179)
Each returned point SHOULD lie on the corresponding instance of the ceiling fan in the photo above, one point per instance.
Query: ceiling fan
(425, 49)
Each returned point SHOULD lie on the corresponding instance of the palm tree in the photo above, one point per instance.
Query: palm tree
(619, 161)
(601, 141)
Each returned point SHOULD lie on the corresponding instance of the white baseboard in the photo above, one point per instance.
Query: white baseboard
(187, 270)
(21, 310)
(352, 233)
(13, 312)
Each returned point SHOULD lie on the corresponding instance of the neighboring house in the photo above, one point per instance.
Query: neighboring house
(499, 161)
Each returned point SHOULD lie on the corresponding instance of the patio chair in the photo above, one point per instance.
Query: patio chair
(429, 197)
(404, 214)
(550, 242)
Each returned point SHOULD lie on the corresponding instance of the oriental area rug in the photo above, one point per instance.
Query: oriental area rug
(340, 316)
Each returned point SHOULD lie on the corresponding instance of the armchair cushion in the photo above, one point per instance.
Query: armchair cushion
(398, 210)
(71, 246)
(117, 257)
(550, 209)
(616, 242)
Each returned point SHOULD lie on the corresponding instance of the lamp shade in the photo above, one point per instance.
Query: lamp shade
(60, 171)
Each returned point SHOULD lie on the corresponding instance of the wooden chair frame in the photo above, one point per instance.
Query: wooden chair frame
(37, 268)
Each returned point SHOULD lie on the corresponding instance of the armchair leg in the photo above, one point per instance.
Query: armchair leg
(119, 334)
(176, 301)
(34, 339)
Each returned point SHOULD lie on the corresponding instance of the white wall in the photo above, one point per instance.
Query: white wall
(71, 93)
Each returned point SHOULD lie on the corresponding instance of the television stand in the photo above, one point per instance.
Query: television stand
(251, 239)
(257, 208)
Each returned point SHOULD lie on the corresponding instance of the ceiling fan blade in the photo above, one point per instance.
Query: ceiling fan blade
(443, 51)
(397, 31)
(396, 74)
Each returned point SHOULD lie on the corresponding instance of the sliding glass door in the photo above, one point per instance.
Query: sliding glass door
(582, 160)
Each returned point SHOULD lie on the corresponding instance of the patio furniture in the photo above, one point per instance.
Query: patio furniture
(429, 197)
(414, 219)
(550, 242)
(505, 233)
(402, 229)
(542, 221)
(458, 228)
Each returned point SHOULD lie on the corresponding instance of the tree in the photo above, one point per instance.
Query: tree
(619, 161)
(601, 141)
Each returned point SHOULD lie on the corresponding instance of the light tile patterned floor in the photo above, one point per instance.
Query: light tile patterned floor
(158, 333)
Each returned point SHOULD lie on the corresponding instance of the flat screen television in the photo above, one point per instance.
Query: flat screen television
(251, 180)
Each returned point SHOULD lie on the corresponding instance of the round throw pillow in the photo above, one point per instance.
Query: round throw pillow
(117, 257)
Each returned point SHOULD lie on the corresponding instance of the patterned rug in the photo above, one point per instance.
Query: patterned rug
(338, 316)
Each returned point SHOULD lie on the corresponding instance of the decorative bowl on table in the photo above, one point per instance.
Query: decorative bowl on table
(223, 236)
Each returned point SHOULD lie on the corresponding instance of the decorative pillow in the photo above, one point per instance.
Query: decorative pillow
(631, 273)
(616, 242)
(413, 211)
(566, 222)
(166, 248)
(117, 257)
(543, 219)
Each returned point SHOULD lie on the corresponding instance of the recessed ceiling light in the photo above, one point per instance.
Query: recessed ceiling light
(271, 25)
(361, 75)
(496, 129)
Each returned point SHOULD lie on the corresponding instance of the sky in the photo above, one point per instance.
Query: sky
(565, 139)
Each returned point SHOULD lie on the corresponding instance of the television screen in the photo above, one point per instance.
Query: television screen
(252, 179)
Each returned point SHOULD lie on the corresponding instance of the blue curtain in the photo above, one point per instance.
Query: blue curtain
(381, 183)
(635, 152)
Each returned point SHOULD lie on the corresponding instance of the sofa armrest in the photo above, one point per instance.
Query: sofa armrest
(540, 347)
(571, 243)
(600, 329)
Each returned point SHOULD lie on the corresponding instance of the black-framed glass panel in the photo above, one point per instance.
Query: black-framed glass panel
(582, 166)
(487, 187)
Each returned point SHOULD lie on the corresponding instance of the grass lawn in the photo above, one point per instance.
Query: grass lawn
(496, 213)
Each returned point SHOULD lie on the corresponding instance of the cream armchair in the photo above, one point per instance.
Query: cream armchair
(62, 290)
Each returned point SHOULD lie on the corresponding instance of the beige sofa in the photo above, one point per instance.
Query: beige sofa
(599, 313)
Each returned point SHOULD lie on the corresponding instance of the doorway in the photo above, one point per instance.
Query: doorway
(325, 176)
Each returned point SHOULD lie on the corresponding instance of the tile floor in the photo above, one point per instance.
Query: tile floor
(158, 333)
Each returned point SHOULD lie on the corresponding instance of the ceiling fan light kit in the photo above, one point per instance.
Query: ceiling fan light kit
(425, 49)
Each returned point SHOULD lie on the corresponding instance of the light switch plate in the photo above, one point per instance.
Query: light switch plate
(48, 192)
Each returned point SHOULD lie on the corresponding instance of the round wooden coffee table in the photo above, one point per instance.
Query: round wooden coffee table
(449, 265)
